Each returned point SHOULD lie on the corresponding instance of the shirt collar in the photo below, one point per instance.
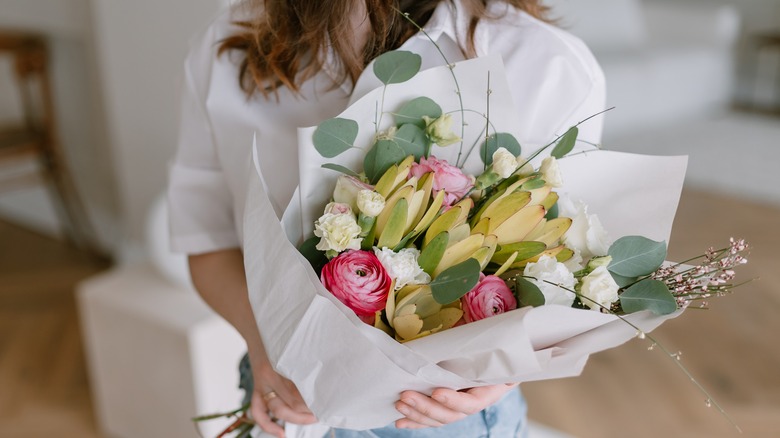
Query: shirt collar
(449, 19)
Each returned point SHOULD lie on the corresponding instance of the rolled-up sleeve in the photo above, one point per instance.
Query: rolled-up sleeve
(200, 203)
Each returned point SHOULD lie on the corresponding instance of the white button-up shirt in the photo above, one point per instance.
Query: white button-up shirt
(554, 80)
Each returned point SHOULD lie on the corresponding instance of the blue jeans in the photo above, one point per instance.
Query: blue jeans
(505, 419)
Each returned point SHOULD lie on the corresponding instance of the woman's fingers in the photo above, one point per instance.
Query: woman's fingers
(261, 416)
(445, 405)
(470, 401)
(426, 411)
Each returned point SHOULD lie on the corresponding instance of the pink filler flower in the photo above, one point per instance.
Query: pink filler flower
(445, 177)
(358, 279)
(491, 296)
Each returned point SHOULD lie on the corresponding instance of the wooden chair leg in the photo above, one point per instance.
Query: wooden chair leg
(68, 204)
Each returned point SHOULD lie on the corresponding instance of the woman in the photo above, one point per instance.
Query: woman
(267, 67)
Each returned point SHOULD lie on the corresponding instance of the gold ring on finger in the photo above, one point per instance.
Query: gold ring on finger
(270, 395)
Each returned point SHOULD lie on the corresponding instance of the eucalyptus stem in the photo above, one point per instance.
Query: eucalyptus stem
(487, 123)
(450, 67)
(536, 154)
(710, 401)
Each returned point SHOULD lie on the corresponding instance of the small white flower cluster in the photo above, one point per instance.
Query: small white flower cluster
(402, 266)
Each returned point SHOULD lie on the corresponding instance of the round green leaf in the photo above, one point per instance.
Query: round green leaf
(650, 295)
(528, 294)
(566, 143)
(382, 155)
(635, 256)
(341, 169)
(397, 66)
(414, 110)
(334, 136)
(499, 140)
(412, 140)
(455, 282)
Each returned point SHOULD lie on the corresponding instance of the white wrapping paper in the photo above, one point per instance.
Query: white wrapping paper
(350, 374)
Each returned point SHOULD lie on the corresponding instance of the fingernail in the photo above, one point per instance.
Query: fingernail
(439, 398)
(408, 401)
(402, 409)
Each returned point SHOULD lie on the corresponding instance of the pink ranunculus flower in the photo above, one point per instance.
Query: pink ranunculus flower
(446, 177)
(358, 279)
(491, 296)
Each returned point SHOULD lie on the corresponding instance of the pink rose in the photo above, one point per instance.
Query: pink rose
(445, 177)
(491, 296)
(358, 279)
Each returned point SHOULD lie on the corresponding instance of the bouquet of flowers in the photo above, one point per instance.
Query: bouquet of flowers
(446, 259)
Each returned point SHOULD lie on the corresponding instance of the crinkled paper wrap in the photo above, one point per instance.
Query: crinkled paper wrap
(350, 374)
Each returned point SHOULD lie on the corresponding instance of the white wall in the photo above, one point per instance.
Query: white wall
(141, 45)
(66, 26)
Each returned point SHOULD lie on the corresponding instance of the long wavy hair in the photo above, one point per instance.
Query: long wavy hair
(283, 41)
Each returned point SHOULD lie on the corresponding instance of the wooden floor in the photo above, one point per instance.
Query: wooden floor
(628, 392)
(733, 349)
(43, 380)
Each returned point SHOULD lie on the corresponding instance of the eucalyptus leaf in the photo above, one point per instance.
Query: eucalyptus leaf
(650, 295)
(635, 256)
(499, 140)
(455, 282)
(246, 381)
(342, 169)
(397, 66)
(566, 143)
(621, 280)
(316, 258)
(414, 110)
(382, 155)
(552, 213)
(412, 140)
(528, 294)
(334, 136)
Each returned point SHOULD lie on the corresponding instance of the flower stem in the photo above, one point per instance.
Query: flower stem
(450, 66)
(673, 356)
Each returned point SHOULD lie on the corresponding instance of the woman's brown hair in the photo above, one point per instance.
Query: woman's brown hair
(283, 42)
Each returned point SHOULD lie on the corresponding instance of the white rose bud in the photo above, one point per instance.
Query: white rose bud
(337, 232)
(402, 266)
(337, 208)
(549, 269)
(504, 163)
(599, 286)
(440, 130)
(370, 203)
(550, 172)
(347, 188)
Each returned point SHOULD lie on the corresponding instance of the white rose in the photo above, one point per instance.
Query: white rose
(550, 172)
(440, 130)
(370, 202)
(549, 269)
(599, 286)
(347, 189)
(586, 235)
(337, 232)
(402, 266)
(504, 163)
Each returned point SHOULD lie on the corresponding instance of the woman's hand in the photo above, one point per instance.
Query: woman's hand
(276, 398)
(445, 406)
